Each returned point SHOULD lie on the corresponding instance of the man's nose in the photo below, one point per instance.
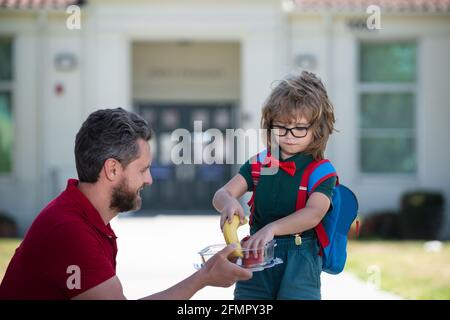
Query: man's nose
(148, 178)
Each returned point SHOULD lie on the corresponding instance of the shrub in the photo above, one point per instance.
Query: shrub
(8, 227)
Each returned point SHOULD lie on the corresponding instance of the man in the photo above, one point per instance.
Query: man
(70, 250)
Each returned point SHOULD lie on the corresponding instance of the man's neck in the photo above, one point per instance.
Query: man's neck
(99, 199)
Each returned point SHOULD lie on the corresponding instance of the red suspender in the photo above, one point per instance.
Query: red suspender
(256, 174)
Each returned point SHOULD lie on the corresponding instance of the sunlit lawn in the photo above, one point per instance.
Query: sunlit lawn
(405, 267)
(7, 248)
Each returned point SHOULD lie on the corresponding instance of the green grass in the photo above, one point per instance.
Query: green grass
(405, 268)
(7, 249)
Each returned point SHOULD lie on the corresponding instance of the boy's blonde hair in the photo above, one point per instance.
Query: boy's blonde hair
(297, 96)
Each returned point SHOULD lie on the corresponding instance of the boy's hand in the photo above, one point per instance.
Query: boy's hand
(257, 241)
(231, 208)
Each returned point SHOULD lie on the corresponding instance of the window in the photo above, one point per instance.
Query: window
(387, 122)
(6, 121)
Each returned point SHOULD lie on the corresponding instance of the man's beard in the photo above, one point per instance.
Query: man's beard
(123, 199)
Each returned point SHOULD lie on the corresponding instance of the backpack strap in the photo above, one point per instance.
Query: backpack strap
(256, 164)
(323, 171)
(315, 173)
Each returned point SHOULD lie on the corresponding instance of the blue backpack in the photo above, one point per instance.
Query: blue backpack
(332, 231)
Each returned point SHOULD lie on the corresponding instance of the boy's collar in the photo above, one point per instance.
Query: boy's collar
(296, 157)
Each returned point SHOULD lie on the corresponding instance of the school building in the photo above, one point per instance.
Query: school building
(177, 61)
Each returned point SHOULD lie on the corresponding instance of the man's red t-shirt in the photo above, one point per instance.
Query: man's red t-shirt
(67, 250)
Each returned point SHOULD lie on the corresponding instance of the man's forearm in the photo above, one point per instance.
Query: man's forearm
(183, 290)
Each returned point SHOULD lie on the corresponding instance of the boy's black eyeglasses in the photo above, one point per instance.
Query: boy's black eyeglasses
(298, 132)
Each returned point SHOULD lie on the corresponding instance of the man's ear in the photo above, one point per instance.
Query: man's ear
(112, 169)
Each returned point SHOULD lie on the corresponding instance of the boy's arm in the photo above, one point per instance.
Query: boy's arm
(225, 200)
(304, 219)
(235, 188)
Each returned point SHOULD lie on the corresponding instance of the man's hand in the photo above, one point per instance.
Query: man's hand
(218, 271)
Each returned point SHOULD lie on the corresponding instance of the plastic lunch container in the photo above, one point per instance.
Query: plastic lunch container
(263, 260)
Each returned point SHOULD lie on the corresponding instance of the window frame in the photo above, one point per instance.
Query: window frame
(387, 87)
(9, 86)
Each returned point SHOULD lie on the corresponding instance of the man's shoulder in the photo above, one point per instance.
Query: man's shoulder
(63, 207)
(61, 212)
(55, 229)
(52, 234)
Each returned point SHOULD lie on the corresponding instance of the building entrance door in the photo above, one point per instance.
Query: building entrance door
(184, 188)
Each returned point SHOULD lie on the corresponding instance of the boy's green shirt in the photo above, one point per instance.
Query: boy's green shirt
(276, 194)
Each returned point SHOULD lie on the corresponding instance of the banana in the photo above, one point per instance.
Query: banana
(230, 235)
